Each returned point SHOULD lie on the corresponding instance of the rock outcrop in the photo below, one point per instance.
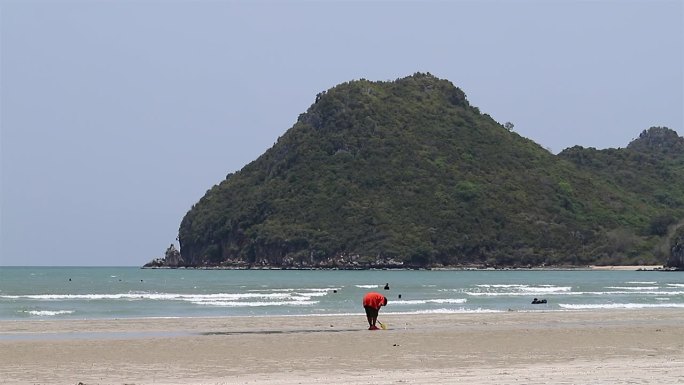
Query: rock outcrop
(172, 258)
(676, 259)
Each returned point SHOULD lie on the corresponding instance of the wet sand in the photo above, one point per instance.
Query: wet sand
(607, 347)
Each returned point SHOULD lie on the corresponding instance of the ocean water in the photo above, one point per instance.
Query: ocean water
(125, 292)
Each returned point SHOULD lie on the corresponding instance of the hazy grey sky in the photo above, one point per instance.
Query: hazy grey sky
(117, 116)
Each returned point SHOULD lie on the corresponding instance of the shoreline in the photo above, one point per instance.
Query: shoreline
(202, 325)
(454, 268)
(445, 268)
(608, 346)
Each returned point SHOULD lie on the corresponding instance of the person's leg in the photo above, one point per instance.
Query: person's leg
(369, 315)
(372, 316)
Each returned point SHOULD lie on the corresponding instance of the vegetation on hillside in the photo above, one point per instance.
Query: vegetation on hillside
(409, 172)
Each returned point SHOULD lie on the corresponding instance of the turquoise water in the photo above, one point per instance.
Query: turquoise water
(123, 292)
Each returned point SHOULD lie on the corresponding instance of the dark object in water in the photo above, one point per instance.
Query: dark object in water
(537, 301)
(387, 286)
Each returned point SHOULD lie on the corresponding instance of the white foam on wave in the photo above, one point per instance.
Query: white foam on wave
(633, 287)
(312, 294)
(620, 306)
(642, 282)
(367, 286)
(527, 288)
(675, 284)
(647, 292)
(218, 299)
(548, 289)
(512, 294)
(291, 289)
(448, 300)
(165, 296)
(426, 301)
(324, 291)
(573, 293)
(255, 304)
(299, 293)
(286, 294)
(522, 290)
(47, 313)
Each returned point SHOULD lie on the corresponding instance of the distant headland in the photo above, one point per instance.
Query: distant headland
(408, 174)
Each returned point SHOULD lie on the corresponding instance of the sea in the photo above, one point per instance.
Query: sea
(34, 293)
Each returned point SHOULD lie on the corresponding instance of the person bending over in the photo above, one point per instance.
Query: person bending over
(371, 303)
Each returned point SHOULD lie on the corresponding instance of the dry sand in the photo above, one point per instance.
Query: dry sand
(598, 347)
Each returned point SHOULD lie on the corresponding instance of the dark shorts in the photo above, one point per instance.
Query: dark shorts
(371, 311)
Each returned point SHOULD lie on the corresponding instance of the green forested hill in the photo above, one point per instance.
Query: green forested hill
(408, 171)
(648, 177)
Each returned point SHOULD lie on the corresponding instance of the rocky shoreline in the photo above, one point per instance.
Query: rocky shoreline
(174, 260)
(160, 264)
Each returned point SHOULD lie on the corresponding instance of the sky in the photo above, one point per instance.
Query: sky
(117, 116)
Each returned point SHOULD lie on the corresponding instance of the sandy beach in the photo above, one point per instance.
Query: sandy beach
(607, 347)
(627, 267)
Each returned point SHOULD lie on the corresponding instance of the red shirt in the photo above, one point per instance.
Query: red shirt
(374, 300)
